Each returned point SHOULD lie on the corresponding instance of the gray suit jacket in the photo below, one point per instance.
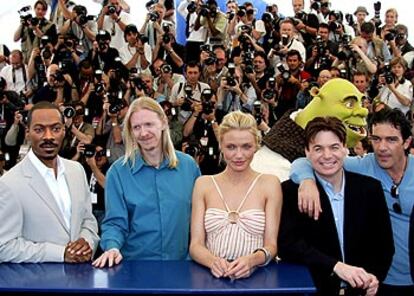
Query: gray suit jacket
(32, 227)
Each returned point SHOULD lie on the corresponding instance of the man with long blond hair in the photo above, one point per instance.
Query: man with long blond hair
(147, 192)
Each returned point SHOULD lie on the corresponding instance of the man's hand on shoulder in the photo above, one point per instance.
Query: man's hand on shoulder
(308, 199)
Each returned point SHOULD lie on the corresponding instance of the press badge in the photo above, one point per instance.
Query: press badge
(204, 141)
(94, 198)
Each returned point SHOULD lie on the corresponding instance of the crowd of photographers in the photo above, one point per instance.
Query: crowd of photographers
(93, 67)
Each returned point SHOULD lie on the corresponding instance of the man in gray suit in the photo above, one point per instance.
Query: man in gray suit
(45, 207)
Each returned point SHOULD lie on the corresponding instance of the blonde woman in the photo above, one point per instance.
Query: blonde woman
(235, 214)
(147, 192)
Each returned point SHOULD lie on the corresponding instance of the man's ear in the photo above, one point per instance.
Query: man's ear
(407, 143)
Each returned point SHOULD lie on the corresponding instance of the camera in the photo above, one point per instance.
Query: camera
(69, 112)
(211, 60)
(285, 40)
(191, 7)
(188, 90)
(137, 81)
(248, 62)
(320, 45)
(205, 47)
(111, 9)
(83, 19)
(241, 12)
(267, 17)
(230, 80)
(388, 75)
(377, 9)
(166, 36)
(208, 105)
(166, 69)
(193, 149)
(99, 88)
(283, 72)
(204, 10)
(270, 92)
(115, 104)
(154, 16)
(89, 150)
(58, 76)
(392, 33)
(230, 15)
(257, 111)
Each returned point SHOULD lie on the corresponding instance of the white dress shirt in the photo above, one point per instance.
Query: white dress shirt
(57, 185)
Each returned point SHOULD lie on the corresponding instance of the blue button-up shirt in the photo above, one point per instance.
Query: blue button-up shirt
(148, 209)
(336, 199)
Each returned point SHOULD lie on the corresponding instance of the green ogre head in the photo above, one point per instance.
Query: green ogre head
(340, 98)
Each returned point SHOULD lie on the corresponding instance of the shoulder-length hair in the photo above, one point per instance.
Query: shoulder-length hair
(131, 146)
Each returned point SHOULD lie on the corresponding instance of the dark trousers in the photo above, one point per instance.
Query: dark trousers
(388, 290)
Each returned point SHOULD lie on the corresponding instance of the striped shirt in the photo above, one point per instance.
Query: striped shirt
(232, 234)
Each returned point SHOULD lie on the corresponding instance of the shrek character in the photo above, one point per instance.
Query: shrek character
(286, 140)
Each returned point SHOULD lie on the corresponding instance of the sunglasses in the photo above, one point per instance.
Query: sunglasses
(395, 194)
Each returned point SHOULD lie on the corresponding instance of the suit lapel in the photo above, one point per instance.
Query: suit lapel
(39, 186)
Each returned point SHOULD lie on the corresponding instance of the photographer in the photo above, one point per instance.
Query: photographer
(111, 124)
(391, 20)
(82, 26)
(114, 20)
(246, 17)
(60, 12)
(322, 53)
(165, 78)
(40, 60)
(195, 38)
(305, 23)
(353, 57)
(95, 162)
(183, 95)
(58, 89)
(396, 91)
(9, 104)
(175, 126)
(102, 54)
(200, 133)
(143, 85)
(135, 53)
(234, 95)
(288, 42)
(215, 67)
(154, 21)
(77, 130)
(16, 75)
(377, 49)
(213, 20)
(289, 82)
(261, 72)
(168, 49)
(361, 14)
(338, 28)
(402, 46)
(32, 28)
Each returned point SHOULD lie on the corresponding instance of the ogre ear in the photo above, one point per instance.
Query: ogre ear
(314, 91)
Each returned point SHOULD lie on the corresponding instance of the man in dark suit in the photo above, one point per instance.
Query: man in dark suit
(350, 248)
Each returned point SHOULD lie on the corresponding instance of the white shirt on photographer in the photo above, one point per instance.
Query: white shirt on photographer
(126, 52)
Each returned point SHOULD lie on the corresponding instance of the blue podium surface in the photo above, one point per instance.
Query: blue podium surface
(150, 277)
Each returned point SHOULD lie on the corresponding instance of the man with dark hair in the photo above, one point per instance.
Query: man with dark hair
(377, 49)
(390, 163)
(351, 247)
(291, 84)
(46, 210)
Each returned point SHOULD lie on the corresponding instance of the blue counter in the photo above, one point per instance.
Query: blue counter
(144, 277)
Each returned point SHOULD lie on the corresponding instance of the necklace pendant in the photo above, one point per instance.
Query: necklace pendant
(233, 217)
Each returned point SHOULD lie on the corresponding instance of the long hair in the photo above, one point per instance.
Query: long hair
(131, 145)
